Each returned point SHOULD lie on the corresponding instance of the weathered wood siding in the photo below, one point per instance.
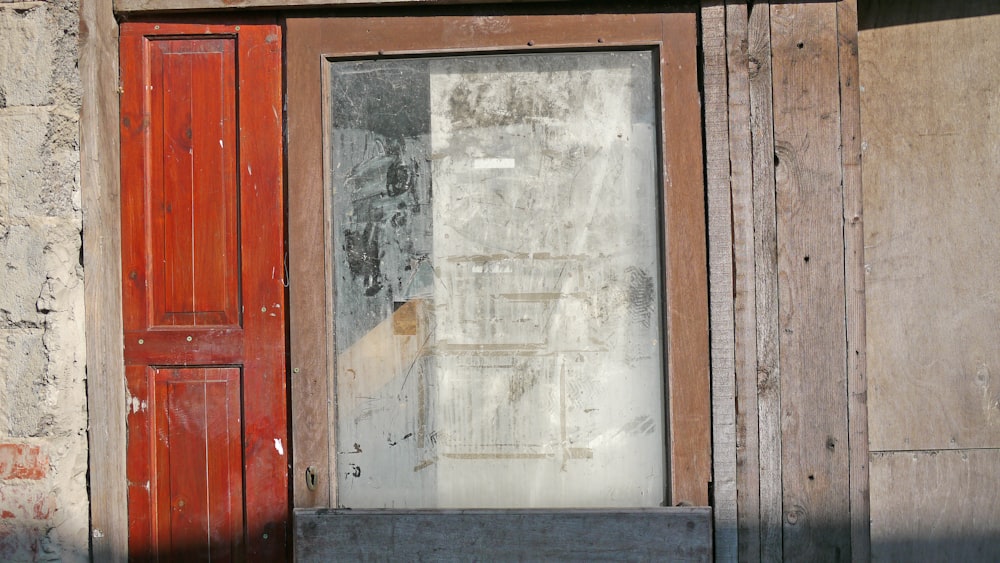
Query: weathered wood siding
(799, 396)
(930, 82)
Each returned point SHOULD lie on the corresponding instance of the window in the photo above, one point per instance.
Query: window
(497, 247)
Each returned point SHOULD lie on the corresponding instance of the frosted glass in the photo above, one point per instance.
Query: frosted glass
(497, 303)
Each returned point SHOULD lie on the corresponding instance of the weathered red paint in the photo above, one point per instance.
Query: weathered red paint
(203, 290)
(22, 461)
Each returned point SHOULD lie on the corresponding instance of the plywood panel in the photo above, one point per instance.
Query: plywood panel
(935, 506)
(931, 120)
(809, 203)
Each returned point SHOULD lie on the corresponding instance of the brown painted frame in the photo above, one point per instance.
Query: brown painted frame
(674, 36)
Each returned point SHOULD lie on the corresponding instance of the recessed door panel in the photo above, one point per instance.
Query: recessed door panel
(199, 459)
(193, 200)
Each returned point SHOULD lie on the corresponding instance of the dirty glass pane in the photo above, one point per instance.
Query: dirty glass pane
(496, 288)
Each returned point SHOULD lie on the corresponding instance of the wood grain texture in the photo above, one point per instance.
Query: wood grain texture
(854, 277)
(717, 158)
(935, 506)
(308, 302)
(185, 207)
(689, 412)
(931, 122)
(809, 200)
(768, 374)
(100, 188)
(743, 253)
(197, 480)
(671, 534)
(202, 5)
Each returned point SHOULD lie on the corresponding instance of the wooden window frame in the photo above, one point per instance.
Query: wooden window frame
(311, 40)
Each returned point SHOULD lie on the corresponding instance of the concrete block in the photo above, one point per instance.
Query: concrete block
(26, 183)
(26, 55)
(24, 359)
(41, 303)
(22, 273)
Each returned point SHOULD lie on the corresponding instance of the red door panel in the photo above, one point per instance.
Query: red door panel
(203, 291)
(193, 243)
(199, 462)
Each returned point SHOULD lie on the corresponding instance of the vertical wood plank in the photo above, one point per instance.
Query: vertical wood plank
(688, 345)
(809, 199)
(854, 278)
(100, 189)
(745, 309)
(262, 226)
(138, 471)
(717, 143)
(768, 375)
(311, 388)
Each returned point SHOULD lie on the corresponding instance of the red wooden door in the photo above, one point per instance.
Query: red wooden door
(203, 279)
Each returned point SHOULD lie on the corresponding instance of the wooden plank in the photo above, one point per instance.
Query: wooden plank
(262, 228)
(935, 505)
(932, 165)
(202, 5)
(768, 375)
(311, 388)
(713, 25)
(99, 180)
(689, 412)
(854, 277)
(670, 534)
(809, 199)
(138, 470)
(743, 255)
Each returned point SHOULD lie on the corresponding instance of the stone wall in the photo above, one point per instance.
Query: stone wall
(43, 410)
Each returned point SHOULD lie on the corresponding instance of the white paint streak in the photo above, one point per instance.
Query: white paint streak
(492, 163)
(278, 446)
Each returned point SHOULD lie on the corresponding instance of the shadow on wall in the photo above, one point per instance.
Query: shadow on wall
(886, 13)
(928, 548)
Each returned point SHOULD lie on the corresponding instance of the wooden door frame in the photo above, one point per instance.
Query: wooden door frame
(100, 187)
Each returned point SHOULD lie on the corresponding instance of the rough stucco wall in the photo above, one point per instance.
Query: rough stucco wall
(43, 419)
